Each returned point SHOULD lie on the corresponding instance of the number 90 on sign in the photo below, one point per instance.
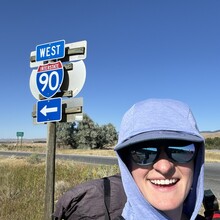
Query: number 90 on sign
(49, 82)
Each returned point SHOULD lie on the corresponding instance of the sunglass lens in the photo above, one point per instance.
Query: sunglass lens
(182, 154)
(144, 156)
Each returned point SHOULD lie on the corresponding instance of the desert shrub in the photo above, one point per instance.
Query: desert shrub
(213, 143)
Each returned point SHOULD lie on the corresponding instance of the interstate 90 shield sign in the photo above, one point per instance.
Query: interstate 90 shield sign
(49, 78)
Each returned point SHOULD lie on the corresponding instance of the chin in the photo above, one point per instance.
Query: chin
(167, 205)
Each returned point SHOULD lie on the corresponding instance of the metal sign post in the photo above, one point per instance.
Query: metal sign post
(21, 135)
(50, 171)
(48, 83)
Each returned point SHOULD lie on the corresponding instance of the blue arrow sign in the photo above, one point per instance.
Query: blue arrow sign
(49, 78)
(50, 51)
(49, 110)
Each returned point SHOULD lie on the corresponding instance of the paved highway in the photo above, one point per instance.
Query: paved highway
(212, 178)
(212, 170)
(80, 158)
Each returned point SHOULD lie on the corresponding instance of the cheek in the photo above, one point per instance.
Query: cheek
(187, 172)
(139, 174)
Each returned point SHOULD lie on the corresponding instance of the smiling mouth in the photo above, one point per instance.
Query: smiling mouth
(165, 182)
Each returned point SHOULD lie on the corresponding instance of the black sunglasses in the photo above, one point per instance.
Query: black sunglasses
(146, 155)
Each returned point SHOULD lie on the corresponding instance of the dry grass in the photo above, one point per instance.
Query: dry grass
(212, 156)
(41, 148)
(22, 183)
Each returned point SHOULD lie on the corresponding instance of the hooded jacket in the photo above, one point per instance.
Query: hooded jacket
(154, 119)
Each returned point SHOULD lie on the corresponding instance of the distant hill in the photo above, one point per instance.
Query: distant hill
(210, 134)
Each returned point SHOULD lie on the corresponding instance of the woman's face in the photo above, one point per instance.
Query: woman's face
(165, 184)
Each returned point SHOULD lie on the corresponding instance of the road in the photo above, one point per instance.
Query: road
(212, 178)
(212, 170)
(80, 158)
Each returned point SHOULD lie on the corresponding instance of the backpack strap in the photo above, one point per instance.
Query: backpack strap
(107, 189)
(211, 205)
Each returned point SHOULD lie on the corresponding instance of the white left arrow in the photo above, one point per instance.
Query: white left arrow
(46, 110)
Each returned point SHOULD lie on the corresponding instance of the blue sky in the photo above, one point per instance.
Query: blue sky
(136, 50)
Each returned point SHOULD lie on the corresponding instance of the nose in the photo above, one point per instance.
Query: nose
(163, 164)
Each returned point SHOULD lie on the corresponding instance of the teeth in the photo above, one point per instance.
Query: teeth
(164, 182)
